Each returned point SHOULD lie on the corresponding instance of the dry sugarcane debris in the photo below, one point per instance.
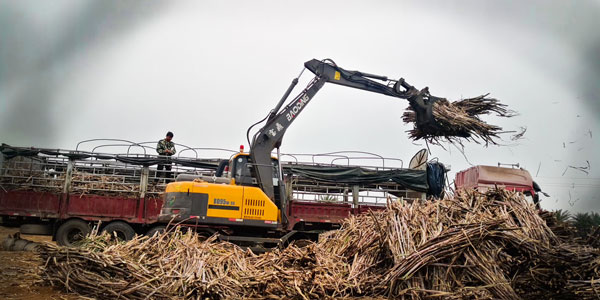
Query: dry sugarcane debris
(565, 231)
(519, 135)
(472, 246)
(459, 119)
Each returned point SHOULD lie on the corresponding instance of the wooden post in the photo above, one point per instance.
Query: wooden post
(2, 169)
(288, 188)
(355, 196)
(144, 181)
(68, 177)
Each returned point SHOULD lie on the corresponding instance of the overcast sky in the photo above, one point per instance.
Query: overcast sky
(206, 70)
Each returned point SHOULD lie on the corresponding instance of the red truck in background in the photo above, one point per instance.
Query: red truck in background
(483, 178)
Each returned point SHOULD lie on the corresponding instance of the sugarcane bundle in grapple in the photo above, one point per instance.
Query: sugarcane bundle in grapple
(444, 120)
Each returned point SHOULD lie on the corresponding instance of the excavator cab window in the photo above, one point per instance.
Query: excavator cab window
(242, 172)
(276, 183)
(275, 172)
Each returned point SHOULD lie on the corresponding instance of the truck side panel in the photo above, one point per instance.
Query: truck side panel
(30, 203)
(107, 207)
(151, 209)
(300, 211)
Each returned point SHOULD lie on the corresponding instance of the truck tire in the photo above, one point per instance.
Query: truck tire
(122, 230)
(36, 229)
(72, 231)
(160, 229)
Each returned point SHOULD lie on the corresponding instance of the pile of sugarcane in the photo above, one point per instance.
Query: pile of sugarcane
(109, 185)
(472, 246)
(459, 119)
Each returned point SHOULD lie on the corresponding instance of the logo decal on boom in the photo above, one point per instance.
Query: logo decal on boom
(299, 105)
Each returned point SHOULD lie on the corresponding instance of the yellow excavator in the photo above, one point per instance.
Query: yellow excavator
(249, 204)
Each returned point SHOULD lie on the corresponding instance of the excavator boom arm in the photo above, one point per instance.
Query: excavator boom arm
(271, 134)
(359, 80)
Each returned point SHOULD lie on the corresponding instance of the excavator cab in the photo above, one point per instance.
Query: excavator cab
(243, 173)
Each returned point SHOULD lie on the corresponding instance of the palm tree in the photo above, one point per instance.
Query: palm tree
(585, 222)
(595, 218)
(562, 215)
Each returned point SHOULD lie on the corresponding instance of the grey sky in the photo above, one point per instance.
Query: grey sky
(74, 70)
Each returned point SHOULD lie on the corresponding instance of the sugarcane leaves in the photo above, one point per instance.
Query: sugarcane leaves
(459, 120)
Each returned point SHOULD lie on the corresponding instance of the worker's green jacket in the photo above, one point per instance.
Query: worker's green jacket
(165, 145)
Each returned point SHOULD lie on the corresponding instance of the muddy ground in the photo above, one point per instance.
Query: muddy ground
(19, 269)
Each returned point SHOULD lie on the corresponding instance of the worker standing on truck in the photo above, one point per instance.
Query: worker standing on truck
(165, 147)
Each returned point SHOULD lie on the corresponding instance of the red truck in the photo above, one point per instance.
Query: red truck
(65, 193)
(483, 178)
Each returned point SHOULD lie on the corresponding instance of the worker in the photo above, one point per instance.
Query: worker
(165, 147)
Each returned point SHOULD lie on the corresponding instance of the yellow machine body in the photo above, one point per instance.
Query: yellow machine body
(220, 203)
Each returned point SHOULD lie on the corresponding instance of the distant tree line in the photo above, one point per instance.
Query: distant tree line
(584, 223)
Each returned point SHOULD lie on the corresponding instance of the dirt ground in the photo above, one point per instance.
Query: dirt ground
(18, 272)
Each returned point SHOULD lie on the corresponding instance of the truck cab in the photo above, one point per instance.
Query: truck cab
(483, 178)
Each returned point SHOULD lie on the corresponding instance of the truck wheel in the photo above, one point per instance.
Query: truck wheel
(36, 229)
(122, 230)
(156, 229)
(72, 231)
